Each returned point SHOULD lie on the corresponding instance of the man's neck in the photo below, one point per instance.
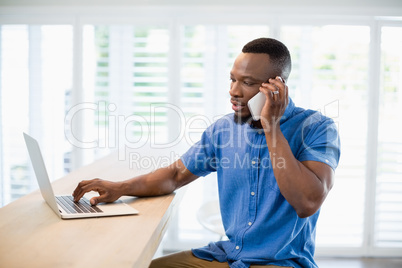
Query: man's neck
(247, 120)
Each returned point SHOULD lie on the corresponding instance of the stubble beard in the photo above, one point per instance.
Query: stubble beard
(241, 120)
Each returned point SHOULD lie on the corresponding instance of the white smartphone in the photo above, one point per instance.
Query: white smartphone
(255, 105)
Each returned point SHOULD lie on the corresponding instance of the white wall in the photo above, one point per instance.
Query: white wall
(304, 3)
(338, 7)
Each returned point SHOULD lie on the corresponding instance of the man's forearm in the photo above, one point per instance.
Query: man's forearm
(159, 182)
(298, 184)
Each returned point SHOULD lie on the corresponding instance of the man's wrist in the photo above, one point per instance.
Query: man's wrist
(271, 128)
(124, 188)
(272, 135)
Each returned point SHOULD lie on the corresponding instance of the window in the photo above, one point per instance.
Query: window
(127, 72)
(331, 76)
(388, 204)
(137, 76)
(36, 76)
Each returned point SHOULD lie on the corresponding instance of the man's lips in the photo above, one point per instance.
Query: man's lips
(237, 106)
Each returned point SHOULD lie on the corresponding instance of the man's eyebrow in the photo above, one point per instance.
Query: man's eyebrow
(247, 77)
(250, 77)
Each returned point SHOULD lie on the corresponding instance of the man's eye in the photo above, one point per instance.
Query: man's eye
(232, 80)
(248, 83)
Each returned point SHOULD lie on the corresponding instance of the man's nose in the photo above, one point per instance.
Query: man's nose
(235, 90)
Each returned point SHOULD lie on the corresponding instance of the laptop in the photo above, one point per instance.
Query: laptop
(64, 206)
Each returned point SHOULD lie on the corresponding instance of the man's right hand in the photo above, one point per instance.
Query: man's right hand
(108, 191)
(159, 182)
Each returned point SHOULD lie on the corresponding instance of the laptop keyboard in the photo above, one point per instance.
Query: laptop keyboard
(71, 207)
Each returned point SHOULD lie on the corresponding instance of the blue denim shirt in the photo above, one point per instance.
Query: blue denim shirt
(262, 227)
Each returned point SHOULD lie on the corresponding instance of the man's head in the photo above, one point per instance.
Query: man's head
(260, 60)
(278, 54)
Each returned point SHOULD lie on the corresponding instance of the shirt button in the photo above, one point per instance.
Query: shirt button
(253, 162)
(237, 247)
(249, 223)
(252, 193)
(259, 131)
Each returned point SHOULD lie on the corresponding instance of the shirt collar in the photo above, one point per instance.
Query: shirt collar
(288, 111)
(287, 114)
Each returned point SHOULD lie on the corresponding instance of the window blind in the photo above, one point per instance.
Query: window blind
(130, 83)
(388, 208)
(36, 72)
(14, 74)
(330, 76)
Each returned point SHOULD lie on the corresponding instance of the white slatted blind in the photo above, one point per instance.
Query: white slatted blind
(36, 76)
(331, 76)
(197, 49)
(340, 79)
(129, 82)
(150, 79)
(194, 68)
(388, 209)
(14, 85)
(239, 35)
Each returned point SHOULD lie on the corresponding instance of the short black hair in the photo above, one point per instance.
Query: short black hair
(277, 51)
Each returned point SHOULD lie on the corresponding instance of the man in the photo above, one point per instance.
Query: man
(273, 174)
